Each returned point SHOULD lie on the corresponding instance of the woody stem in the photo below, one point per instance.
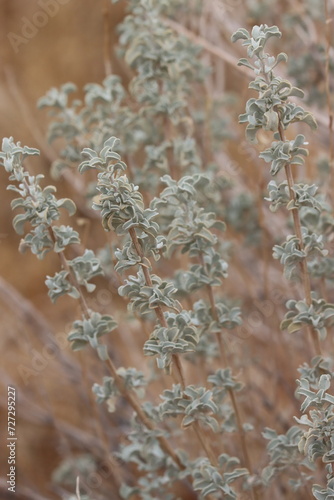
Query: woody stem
(298, 231)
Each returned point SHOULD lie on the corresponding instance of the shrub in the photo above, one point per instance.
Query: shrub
(150, 153)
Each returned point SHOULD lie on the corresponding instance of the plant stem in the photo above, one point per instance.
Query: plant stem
(298, 228)
(215, 317)
(223, 356)
(64, 262)
(130, 397)
(114, 468)
(264, 238)
(72, 278)
(160, 315)
(158, 310)
(205, 445)
(298, 231)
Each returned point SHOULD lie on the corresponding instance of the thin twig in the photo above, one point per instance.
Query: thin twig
(130, 397)
(100, 431)
(223, 356)
(205, 445)
(298, 231)
(72, 278)
(77, 489)
(158, 310)
(160, 315)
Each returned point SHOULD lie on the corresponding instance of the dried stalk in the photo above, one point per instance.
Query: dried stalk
(298, 231)
(176, 360)
(158, 310)
(223, 356)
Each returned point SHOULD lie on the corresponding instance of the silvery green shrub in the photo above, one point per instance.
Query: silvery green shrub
(273, 111)
(158, 192)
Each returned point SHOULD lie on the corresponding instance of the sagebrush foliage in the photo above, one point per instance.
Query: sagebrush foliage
(273, 111)
(158, 192)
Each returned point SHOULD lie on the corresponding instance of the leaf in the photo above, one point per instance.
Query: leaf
(251, 134)
(112, 142)
(297, 92)
(310, 121)
(68, 204)
(241, 34)
(281, 57)
(77, 345)
(19, 222)
(272, 120)
(30, 151)
(245, 62)
(89, 152)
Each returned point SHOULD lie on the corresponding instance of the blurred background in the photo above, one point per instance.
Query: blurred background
(43, 45)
